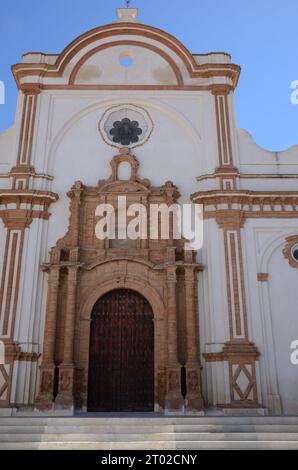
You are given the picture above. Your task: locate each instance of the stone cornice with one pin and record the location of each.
(19, 207)
(230, 171)
(246, 200)
(27, 196)
(242, 196)
(249, 204)
(24, 171)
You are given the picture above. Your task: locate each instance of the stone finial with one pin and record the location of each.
(127, 15)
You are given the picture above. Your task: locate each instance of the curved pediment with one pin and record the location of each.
(94, 59)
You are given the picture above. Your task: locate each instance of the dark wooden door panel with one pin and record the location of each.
(121, 364)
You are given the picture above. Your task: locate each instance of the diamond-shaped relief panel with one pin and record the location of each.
(242, 381)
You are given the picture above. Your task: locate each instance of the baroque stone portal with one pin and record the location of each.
(83, 269)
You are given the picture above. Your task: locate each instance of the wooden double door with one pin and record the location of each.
(121, 361)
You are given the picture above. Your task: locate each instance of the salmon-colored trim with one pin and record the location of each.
(10, 278)
(220, 173)
(234, 273)
(195, 70)
(126, 87)
(34, 196)
(225, 235)
(32, 127)
(4, 267)
(226, 160)
(16, 220)
(229, 143)
(25, 172)
(223, 126)
(239, 352)
(258, 214)
(242, 284)
(221, 356)
(17, 284)
(22, 128)
(237, 194)
(27, 128)
(150, 47)
(218, 130)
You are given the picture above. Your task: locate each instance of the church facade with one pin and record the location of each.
(144, 324)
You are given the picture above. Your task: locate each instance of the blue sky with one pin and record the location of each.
(261, 35)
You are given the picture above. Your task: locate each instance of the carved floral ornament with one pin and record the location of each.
(126, 125)
(290, 251)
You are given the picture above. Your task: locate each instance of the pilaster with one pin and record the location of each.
(47, 368)
(174, 400)
(67, 367)
(194, 400)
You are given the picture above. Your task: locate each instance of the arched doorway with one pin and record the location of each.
(121, 358)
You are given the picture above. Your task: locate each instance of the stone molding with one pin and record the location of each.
(287, 251)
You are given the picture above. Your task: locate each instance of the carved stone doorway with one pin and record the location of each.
(84, 268)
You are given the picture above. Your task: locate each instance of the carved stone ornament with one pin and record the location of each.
(290, 251)
(125, 125)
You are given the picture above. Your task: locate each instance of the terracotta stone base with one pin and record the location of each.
(44, 400)
(174, 401)
(65, 397)
(193, 401)
(194, 404)
(44, 404)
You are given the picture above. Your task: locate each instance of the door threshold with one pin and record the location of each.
(119, 414)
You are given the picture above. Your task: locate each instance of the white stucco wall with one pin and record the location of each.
(67, 145)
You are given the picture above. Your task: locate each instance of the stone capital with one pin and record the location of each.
(230, 219)
(30, 88)
(221, 89)
(16, 219)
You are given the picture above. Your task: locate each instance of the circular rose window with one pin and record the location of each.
(126, 126)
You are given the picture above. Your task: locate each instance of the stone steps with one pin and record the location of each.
(177, 429)
(124, 437)
(121, 433)
(149, 445)
(146, 420)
